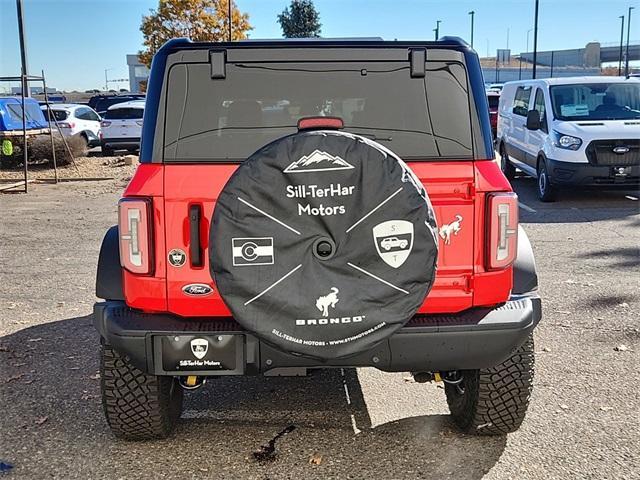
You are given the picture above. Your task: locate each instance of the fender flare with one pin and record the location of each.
(525, 277)
(109, 275)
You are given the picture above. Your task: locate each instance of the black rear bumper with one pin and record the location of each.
(477, 338)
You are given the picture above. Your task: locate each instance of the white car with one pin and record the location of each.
(74, 119)
(571, 131)
(121, 127)
(391, 242)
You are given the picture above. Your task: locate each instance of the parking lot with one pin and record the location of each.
(583, 421)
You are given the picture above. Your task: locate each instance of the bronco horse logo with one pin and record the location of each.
(324, 302)
(452, 228)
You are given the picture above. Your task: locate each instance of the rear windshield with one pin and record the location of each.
(59, 115)
(494, 100)
(124, 114)
(229, 119)
(596, 101)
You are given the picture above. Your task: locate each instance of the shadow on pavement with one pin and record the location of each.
(574, 204)
(52, 424)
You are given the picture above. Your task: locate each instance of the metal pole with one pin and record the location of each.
(230, 20)
(472, 13)
(497, 73)
(25, 155)
(438, 22)
(621, 17)
(626, 64)
(26, 91)
(535, 41)
(520, 69)
(551, 73)
(49, 114)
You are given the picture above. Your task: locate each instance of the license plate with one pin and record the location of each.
(199, 353)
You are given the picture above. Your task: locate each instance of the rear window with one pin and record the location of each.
(59, 115)
(229, 119)
(124, 114)
(494, 100)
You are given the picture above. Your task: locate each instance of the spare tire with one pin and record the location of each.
(323, 243)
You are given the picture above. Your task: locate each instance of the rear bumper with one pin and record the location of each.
(589, 175)
(477, 338)
(123, 143)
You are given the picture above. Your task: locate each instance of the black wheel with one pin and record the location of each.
(138, 406)
(507, 167)
(107, 151)
(546, 192)
(494, 401)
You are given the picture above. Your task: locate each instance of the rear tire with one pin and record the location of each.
(505, 165)
(138, 406)
(494, 400)
(546, 191)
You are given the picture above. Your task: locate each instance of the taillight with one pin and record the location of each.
(67, 124)
(134, 215)
(104, 123)
(502, 219)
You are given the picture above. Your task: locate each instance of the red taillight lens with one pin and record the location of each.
(104, 123)
(308, 123)
(502, 218)
(67, 124)
(134, 216)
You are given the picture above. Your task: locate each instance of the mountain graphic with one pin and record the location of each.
(318, 161)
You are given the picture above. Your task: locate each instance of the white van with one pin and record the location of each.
(121, 127)
(571, 131)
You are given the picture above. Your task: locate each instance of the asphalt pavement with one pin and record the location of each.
(583, 421)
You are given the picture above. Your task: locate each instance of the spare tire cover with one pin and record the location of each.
(323, 243)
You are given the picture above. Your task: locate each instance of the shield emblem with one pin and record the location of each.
(199, 347)
(394, 241)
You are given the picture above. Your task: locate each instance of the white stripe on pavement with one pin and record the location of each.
(526, 207)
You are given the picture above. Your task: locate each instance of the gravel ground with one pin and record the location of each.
(94, 165)
(583, 421)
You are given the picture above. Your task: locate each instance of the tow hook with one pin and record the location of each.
(192, 382)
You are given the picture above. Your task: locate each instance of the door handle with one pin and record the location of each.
(195, 249)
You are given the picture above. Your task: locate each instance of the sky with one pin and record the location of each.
(74, 41)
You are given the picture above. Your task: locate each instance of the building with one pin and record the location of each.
(137, 73)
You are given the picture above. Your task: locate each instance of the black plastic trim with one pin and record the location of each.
(525, 277)
(109, 274)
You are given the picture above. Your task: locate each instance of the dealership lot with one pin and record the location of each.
(583, 420)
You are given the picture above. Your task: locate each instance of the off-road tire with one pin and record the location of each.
(138, 406)
(505, 165)
(494, 400)
(546, 191)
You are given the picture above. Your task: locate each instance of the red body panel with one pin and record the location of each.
(457, 191)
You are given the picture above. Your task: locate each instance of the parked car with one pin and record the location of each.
(101, 103)
(582, 131)
(493, 97)
(121, 127)
(76, 119)
(249, 236)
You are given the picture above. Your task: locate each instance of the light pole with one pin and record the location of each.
(437, 29)
(535, 40)
(106, 79)
(230, 21)
(621, 17)
(472, 13)
(24, 84)
(626, 63)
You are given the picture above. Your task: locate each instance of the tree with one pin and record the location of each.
(300, 20)
(199, 20)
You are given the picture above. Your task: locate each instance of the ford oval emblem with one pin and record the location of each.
(621, 150)
(197, 289)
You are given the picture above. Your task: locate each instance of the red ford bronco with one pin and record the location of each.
(316, 204)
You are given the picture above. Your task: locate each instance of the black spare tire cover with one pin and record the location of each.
(323, 243)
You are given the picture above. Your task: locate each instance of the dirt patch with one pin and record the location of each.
(119, 167)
